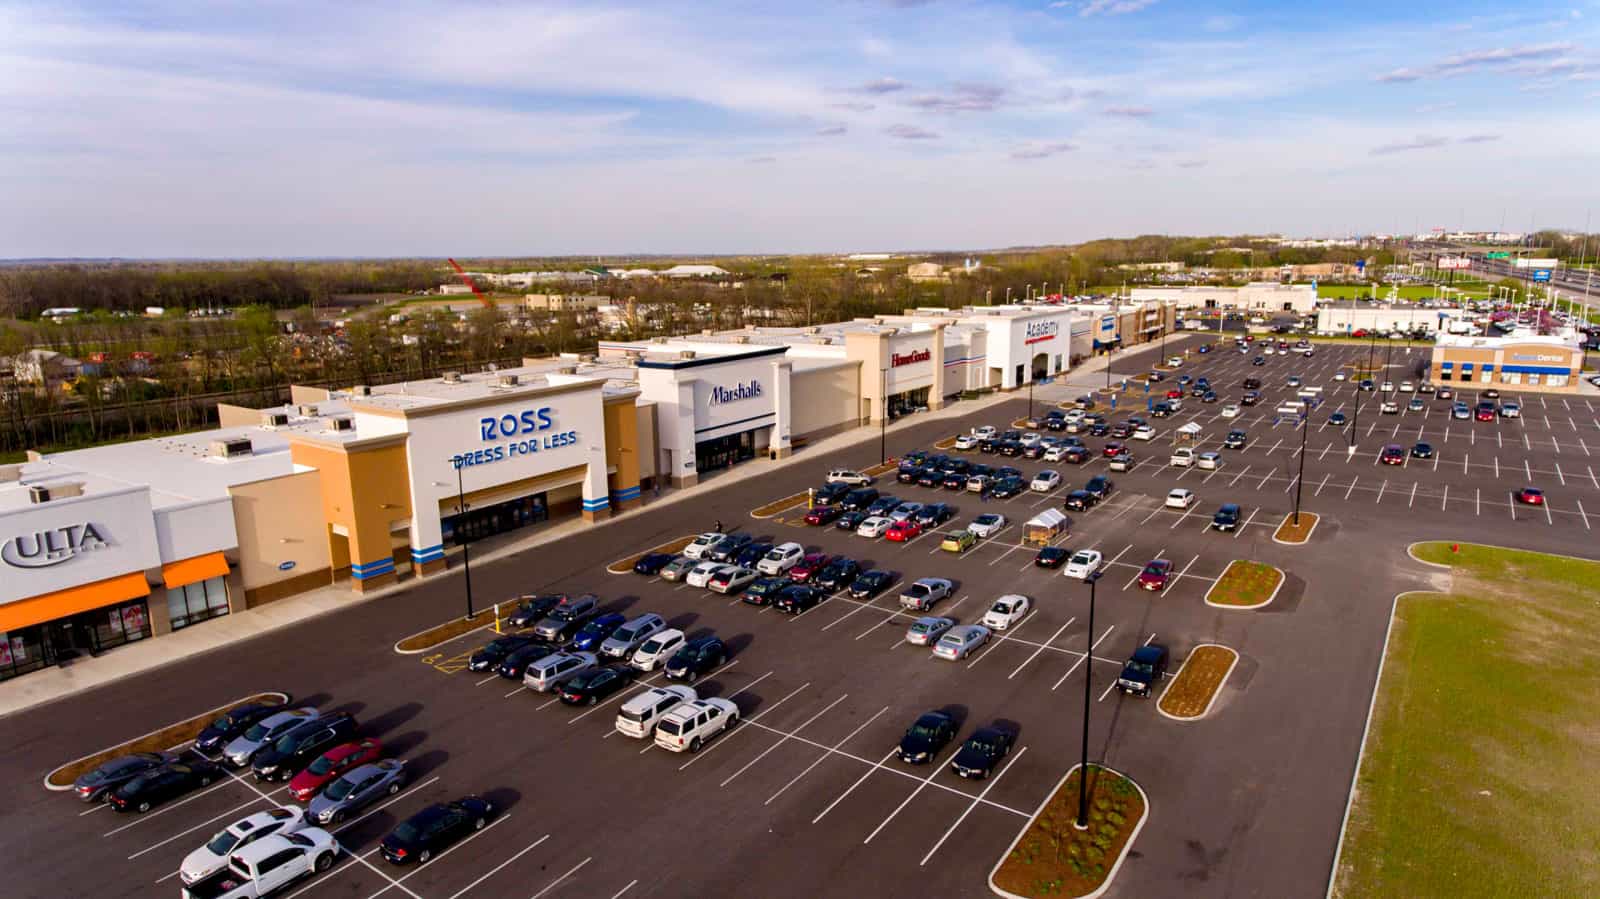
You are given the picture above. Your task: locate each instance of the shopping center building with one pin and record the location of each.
(1551, 363)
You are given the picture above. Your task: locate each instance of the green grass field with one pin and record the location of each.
(1364, 292)
(1478, 775)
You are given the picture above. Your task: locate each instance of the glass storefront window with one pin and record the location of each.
(21, 651)
(1555, 381)
(197, 602)
(1511, 377)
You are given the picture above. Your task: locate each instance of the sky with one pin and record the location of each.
(289, 129)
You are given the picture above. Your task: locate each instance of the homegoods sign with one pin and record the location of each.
(898, 359)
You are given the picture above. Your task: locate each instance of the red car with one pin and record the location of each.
(1484, 414)
(330, 765)
(809, 566)
(1155, 574)
(1112, 448)
(1174, 394)
(1393, 455)
(901, 531)
(1530, 496)
(823, 514)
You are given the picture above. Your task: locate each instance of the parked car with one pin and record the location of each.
(435, 829)
(1530, 496)
(922, 594)
(650, 564)
(873, 527)
(631, 635)
(838, 574)
(958, 541)
(357, 789)
(96, 785)
(1510, 410)
(988, 524)
(1155, 575)
(847, 476)
(1393, 454)
(1122, 461)
(597, 631)
(830, 494)
(699, 656)
(242, 750)
(1045, 481)
(700, 574)
(982, 752)
(268, 865)
(572, 613)
(658, 648)
(1143, 671)
(699, 546)
(1084, 563)
(821, 515)
(1422, 451)
(1006, 611)
(903, 531)
(531, 610)
(783, 557)
(637, 718)
(797, 598)
(1078, 501)
(859, 499)
(927, 737)
(1180, 498)
(332, 764)
(519, 659)
(1051, 557)
(554, 670)
(871, 583)
(959, 642)
(849, 521)
(1226, 517)
(678, 568)
(1209, 460)
(230, 724)
(595, 684)
(751, 554)
(728, 548)
(933, 515)
(928, 629)
(213, 856)
(158, 785)
(691, 724)
(731, 579)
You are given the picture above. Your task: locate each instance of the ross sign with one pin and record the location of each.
(509, 427)
(1039, 332)
(898, 359)
(744, 390)
(1542, 274)
(43, 549)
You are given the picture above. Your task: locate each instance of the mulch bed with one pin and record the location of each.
(882, 468)
(623, 566)
(1202, 675)
(945, 444)
(1289, 532)
(770, 509)
(166, 738)
(1055, 858)
(1245, 584)
(453, 628)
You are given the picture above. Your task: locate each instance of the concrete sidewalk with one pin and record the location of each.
(86, 673)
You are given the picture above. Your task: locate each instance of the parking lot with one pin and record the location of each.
(802, 796)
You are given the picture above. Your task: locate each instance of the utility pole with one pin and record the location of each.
(1088, 671)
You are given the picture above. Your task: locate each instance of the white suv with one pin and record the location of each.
(1182, 457)
(781, 558)
(688, 726)
(846, 476)
(638, 716)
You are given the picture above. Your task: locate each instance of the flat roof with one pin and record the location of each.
(1567, 340)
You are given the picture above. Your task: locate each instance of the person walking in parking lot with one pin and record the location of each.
(719, 525)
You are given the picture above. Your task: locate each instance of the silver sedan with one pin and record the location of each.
(355, 789)
(958, 642)
(927, 630)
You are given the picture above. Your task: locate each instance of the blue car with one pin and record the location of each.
(597, 631)
(1337, 418)
(652, 563)
(750, 555)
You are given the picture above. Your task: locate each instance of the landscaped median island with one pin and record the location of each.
(1477, 773)
(455, 627)
(945, 444)
(1291, 533)
(766, 511)
(169, 737)
(882, 468)
(625, 566)
(1052, 857)
(1245, 585)
(1191, 693)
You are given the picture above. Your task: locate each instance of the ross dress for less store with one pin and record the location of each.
(362, 487)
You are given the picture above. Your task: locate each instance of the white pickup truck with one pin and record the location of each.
(268, 865)
(1182, 457)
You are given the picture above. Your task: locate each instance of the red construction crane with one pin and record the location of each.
(462, 274)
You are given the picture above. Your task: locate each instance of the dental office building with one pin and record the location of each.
(1551, 363)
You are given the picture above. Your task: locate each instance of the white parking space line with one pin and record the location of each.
(1560, 475)
(631, 885)
(1264, 479)
(1323, 484)
(847, 737)
(1548, 517)
(1381, 488)
(147, 816)
(1592, 479)
(349, 862)
(981, 795)
(1238, 476)
(1352, 488)
(1413, 501)
(557, 882)
(859, 781)
(1497, 467)
(937, 768)
(497, 868)
(1041, 648)
(1584, 445)
(514, 692)
(1527, 470)
(1585, 516)
(734, 728)
(764, 753)
(486, 680)
(1081, 657)
(1478, 501)
(1555, 443)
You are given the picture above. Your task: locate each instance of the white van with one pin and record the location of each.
(638, 716)
(846, 476)
(657, 649)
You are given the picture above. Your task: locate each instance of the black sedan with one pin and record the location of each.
(982, 752)
(1051, 557)
(1079, 501)
(495, 651)
(849, 521)
(533, 609)
(1005, 488)
(99, 783)
(797, 598)
(1422, 451)
(228, 725)
(435, 829)
(762, 590)
(652, 563)
(929, 477)
(907, 474)
(170, 781)
(838, 574)
(519, 659)
(871, 584)
(934, 514)
(1100, 487)
(596, 684)
(930, 733)
(697, 657)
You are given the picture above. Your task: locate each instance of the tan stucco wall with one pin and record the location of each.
(822, 399)
(299, 394)
(237, 416)
(645, 427)
(274, 527)
(362, 490)
(622, 445)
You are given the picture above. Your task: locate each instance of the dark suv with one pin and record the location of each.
(859, 499)
(1144, 670)
(301, 746)
(696, 658)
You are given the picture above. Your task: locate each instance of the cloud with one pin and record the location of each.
(880, 86)
(961, 98)
(1113, 7)
(761, 160)
(1220, 24)
(1472, 61)
(1129, 112)
(1421, 142)
(1430, 108)
(1042, 150)
(853, 107)
(910, 132)
(832, 131)
(1192, 164)
(1479, 139)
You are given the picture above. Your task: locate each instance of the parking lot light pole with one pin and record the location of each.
(1305, 425)
(1088, 672)
(883, 419)
(461, 537)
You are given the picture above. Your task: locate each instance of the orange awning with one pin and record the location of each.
(193, 571)
(50, 606)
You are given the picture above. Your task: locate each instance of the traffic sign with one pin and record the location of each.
(1497, 255)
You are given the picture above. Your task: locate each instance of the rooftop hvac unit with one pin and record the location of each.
(742, 338)
(567, 370)
(308, 411)
(341, 424)
(508, 380)
(65, 490)
(589, 357)
(813, 330)
(361, 390)
(232, 447)
(708, 331)
(451, 377)
(686, 354)
(274, 419)
(38, 493)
